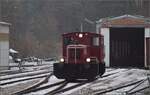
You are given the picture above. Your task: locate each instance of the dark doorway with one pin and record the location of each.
(148, 51)
(127, 47)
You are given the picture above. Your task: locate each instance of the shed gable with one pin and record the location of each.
(125, 21)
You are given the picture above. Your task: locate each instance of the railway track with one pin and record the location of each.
(146, 87)
(49, 87)
(110, 74)
(99, 91)
(34, 67)
(67, 88)
(62, 90)
(62, 86)
(130, 86)
(109, 84)
(9, 72)
(46, 86)
(24, 74)
(25, 90)
(22, 79)
(22, 69)
(54, 88)
(57, 89)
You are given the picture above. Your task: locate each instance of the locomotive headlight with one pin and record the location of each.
(80, 35)
(62, 60)
(88, 60)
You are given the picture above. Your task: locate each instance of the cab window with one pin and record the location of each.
(67, 41)
(95, 41)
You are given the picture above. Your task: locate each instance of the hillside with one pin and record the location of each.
(37, 25)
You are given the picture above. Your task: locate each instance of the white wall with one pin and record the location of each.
(4, 29)
(105, 32)
(147, 32)
(4, 46)
(4, 54)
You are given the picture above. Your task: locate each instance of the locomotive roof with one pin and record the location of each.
(73, 33)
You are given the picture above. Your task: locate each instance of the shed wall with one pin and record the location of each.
(105, 32)
(126, 21)
(4, 46)
(4, 29)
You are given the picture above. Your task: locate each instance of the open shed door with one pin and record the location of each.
(127, 47)
(148, 51)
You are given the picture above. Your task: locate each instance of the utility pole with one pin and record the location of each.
(0, 10)
(88, 21)
(91, 22)
(81, 27)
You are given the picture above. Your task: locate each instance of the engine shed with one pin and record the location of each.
(4, 45)
(126, 40)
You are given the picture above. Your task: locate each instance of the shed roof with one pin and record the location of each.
(4, 23)
(12, 51)
(125, 21)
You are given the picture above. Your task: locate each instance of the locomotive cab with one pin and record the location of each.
(82, 56)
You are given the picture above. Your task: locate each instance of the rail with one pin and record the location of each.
(26, 90)
(97, 92)
(129, 92)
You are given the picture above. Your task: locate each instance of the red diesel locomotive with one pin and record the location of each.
(83, 56)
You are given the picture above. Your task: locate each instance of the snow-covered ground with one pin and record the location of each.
(121, 78)
(8, 90)
(36, 70)
(52, 80)
(28, 66)
(111, 79)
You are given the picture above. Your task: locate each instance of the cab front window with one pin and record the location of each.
(69, 41)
